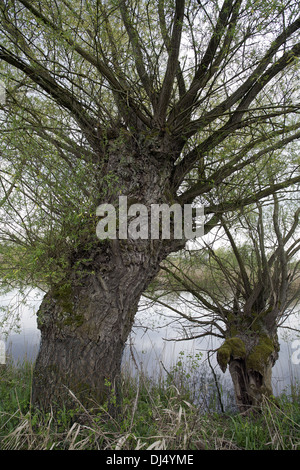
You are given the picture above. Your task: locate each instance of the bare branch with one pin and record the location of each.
(137, 51)
(234, 165)
(63, 97)
(250, 88)
(167, 42)
(208, 65)
(172, 65)
(105, 71)
(239, 259)
(233, 205)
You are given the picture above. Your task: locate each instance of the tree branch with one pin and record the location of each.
(167, 43)
(242, 202)
(195, 291)
(61, 95)
(236, 165)
(137, 51)
(104, 70)
(208, 66)
(257, 80)
(172, 65)
(198, 152)
(238, 257)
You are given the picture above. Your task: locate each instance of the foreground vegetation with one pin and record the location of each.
(155, 416)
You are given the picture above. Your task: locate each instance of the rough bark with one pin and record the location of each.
(250, 356)
(84, 327)
(85, 320)
(250, 385)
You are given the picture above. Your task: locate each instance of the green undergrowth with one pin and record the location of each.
(154, 416)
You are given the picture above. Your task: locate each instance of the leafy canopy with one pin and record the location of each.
(218, 78)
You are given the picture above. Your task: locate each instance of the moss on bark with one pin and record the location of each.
(69, 317)
(260, 355)
(231, 348)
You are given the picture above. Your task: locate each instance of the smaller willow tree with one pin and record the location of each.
(242, 293)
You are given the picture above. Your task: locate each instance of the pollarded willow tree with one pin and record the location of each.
(149, 100)
(243, 286)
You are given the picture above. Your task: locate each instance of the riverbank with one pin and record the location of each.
(155, 416)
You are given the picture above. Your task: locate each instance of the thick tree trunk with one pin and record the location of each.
(85, 321)
(84, 327)
(250, 357)
(250, 386)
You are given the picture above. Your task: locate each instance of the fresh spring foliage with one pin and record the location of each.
(83, 79)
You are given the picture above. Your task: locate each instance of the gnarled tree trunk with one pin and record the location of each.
(84, 328)
(250, 358)
(85, 321)
(250, 385)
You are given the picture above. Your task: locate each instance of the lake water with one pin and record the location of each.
(149, 347)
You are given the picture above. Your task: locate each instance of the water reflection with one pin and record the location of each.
(149, 347)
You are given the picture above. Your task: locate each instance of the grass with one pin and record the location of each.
(157, 415)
